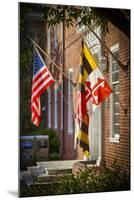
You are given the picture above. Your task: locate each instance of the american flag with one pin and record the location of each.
(42, 79)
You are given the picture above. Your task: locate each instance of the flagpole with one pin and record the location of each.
(73, 84)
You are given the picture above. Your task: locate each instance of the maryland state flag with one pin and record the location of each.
(93, 88)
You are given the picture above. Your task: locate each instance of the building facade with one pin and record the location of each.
(109, 129)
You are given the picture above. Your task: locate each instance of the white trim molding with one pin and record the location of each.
(70, 103)
(114, 98)
(55, 108)
(49, 107)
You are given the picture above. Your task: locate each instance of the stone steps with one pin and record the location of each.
(63, 164)
(58, 171)
(50, 178)
(27, 178)
(51, 171)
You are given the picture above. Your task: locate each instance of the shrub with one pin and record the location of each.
(95, 180)
(54, 156)
(53, 138)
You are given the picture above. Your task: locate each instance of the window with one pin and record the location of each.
(114, 101)
(91, 39)
(55, 38)
(55, 109)
(48, 41)
(70, 103)
(49, 107)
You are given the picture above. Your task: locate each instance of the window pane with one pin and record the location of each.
(116, 98)
(115, 66)
(116, 118)
(116, 54)
(116, 129)
(115, 95)
(116, 87)
(95, 57)
(115, 76)
(116, 108)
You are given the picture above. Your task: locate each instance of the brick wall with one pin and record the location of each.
(119, 153)
(72, 57)
(112, 152)
(71, 60)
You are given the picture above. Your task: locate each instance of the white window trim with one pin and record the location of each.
(92, 41)
(49, 107)
(55, 109)
(70, 119)
(116, 137)
(95, 48)
(48, 41)
(49, 90)
(61, 106)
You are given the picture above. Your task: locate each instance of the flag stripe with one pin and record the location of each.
(41, 88)
(36, 108)
(81, 88)
(40, 82)
(84, 128)
(42, 79)
(35, 111)
(83, 76)
(89, 57)
(83, 145)
(87, 65)
(83, 137)
(36, 121)
(37, 102)
(91, 86)
(82, 134)
(42, 71)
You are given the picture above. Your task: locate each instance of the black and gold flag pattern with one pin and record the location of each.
(93, 86)
(82, 137)
(87, 65)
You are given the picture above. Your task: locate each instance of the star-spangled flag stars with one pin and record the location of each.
(42, 79)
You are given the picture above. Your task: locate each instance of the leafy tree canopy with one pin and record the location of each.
(54, 14)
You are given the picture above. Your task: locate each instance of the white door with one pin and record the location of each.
(95, 134)
(95, 122)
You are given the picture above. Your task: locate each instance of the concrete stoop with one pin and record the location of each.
(49, 172)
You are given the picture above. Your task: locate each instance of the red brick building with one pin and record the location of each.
(109, 130)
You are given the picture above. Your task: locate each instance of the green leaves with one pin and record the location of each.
(72, 15)
(95, 180)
